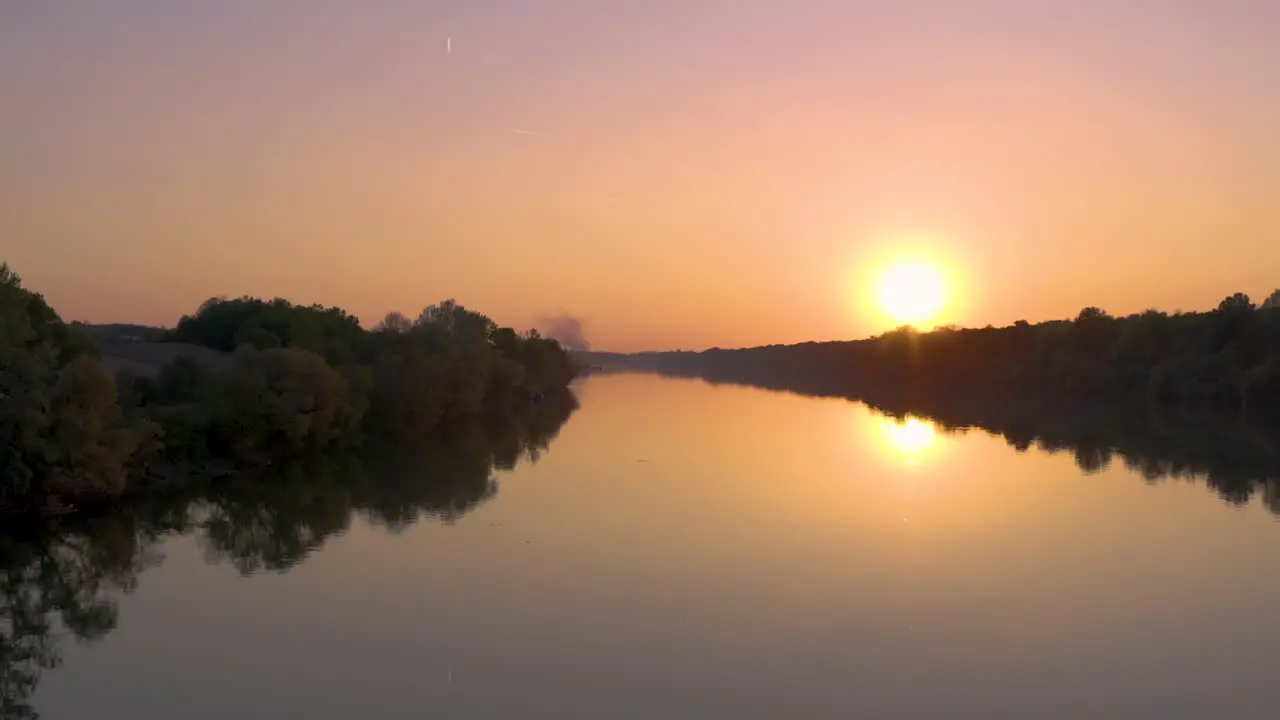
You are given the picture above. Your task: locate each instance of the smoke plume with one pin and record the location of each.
(566, 329)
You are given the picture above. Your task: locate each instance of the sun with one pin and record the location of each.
(911, 293)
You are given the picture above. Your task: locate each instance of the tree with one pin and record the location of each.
(304, 380)
(89, 445)
(283, 402)
(15, 304)
(395, 322)
(1272, 302)
(62, 429)
(1236, 304)
(1092, 314)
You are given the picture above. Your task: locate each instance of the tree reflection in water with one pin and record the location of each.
(64, 577)
(71, 575)
(1235, 458)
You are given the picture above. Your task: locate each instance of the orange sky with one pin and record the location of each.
(692, 174)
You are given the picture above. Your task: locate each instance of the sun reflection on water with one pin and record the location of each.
(911, 439)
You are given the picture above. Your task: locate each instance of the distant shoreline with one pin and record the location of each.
(1226, 360)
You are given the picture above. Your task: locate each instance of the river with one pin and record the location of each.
(683, 550)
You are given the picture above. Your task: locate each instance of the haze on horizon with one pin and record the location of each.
(679, 174)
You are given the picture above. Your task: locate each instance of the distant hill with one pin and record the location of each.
(142, 350)
(628, 362)
(144, 359)
(121, 332)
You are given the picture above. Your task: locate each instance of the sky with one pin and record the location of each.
(676, 173)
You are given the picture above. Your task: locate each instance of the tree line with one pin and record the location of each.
(1227, 359)
(298, 382)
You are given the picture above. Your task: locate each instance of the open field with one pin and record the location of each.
(145, 359)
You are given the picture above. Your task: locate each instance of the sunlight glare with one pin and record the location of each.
(910, 439)
(911, 293)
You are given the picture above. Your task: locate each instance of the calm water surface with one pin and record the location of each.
(689, 551)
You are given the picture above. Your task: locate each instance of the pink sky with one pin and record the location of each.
(693, 173)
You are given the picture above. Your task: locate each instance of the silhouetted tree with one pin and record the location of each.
(1220, 359)
(396, 323)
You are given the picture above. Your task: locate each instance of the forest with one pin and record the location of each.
(297, 382)
(1226, 359)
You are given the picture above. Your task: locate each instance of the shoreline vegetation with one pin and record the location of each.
(256, 452)
(1226, 360)
(1189, 396)
(247, 386)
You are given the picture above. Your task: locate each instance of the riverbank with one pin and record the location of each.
(244, 384)
(1225, 360)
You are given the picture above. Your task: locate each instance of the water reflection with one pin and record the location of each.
(909, 438)
(1236, 459)
(272, 523)
(71, 574)
(64, 578)
(762, 561)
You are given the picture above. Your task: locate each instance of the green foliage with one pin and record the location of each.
(281, 403)
(17, 314)
(88, 445)
(399, 383)
(304, 381)
(226, 324)
(63, 433)
(305, 384)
